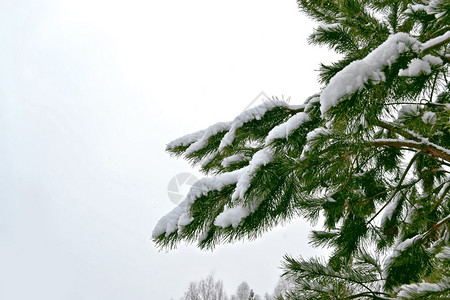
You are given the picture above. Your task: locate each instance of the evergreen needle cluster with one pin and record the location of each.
(370, 153)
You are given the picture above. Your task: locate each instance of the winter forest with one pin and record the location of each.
(367, 158)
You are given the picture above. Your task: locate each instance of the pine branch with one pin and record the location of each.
(276, 161)
(425, 290)
(445, 28)
(446, 188)
(429, 147)
(371, 294)
(314, 269)
(397, 188)
(436, 42)
(435, 227)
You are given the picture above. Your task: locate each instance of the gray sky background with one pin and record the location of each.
(90, 93)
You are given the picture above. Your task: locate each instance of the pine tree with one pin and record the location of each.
(370, 152)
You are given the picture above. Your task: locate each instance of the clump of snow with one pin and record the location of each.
(312, 135)
(185, 219)
(420, 66)
(439, 14)
(330, 199)
(359, 192)
(443, 190)
(255, 113)
(436, 40)
(179, 216)
(416, 67)
(232, 216)
(400, 248)
(414, 8)
(433, 60)
(415, 290)
(354, 76)
(433, 8)
(310, 101)
(296, 106)
(388, 211)
(227, 161)
(260, 158)
(429, 117)
(444, 254)
(186, 140)
(209, 132)
(408, 110)
(285, 129)
(208, 158)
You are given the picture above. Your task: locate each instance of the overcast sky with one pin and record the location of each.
(91, 91)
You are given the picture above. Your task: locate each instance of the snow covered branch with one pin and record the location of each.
(422, 146)
(341, 155)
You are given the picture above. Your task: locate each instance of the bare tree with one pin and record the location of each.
(192, 293)
(253, 296)
(283, 286)
(207, 289)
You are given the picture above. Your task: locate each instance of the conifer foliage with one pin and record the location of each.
(370, 153)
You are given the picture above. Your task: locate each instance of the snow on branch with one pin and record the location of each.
(423, 289)
(429, 117)
(313, 136)
(209, 132)
(440, 40)
(432, 8)
(424, 145)
(227, 161)
(186, 140)
(180, 216)
(354, 76)
(400, 248)
(198, 140)
(255, 113)
(444, 254)
(285, 129)
(414, 140)
(389, 211)
(233, 216)
(422, 65)
(260, 158)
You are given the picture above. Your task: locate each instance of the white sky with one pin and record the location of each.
(90, 93)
